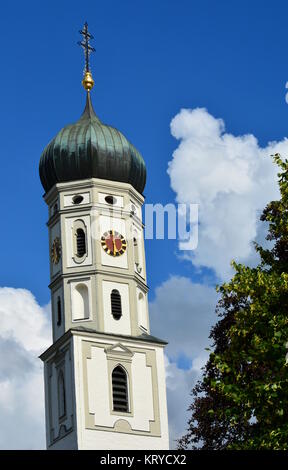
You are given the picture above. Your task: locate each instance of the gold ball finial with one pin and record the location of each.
(88, 81)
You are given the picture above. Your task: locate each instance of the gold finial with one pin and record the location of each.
(87, 81)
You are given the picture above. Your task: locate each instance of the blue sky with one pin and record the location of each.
(152, 59)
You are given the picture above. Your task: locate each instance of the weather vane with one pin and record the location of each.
(87, 81)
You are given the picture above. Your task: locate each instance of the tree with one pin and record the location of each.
(241, 402)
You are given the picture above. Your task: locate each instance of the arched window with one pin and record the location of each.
(142, 311)
(59, 312)
(136, 254)
(116, 307)
(61, 395)
(80, 302)
(80, 242)
(120, 390)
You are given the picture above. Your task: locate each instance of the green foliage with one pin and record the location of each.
(242, 400)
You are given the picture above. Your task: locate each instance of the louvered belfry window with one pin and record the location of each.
(120, 390)
(116, 307)
(81, 242)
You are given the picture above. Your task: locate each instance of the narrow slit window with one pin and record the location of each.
(136, 253)
(61, 395)
(59, 312)
(116, 306)
(80, 242)
(120, 390)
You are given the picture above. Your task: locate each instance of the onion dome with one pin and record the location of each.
(91, 149)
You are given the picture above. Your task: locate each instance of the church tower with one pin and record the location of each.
(104, 373)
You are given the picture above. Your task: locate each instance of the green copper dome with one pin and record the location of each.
(90, 149)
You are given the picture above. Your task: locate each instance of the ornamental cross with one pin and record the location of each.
(86, 46)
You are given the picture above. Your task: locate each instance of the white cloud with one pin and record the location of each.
(25, 332)
(23, 319)
(182, 313)
(231, 178)
(232, 181)
(179, 384)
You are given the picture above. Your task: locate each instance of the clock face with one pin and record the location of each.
(56, 251)
(113, 243)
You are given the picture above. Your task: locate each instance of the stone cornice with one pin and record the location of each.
(97, 207)
(135, 277)
(92, 183)
(57, 345)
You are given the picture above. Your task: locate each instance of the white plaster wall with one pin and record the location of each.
(99, 392)
(68, 442)
(107, 223)
(123, 325)
(69, 221)
(96, 439)
(93, 440)
(52, 421)
(162, 397)
(79, 390)
(68, 199)
(142, 393)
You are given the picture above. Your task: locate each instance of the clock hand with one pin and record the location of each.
(114, 244)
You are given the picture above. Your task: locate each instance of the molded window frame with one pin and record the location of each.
(80, 242)
(74, 285)
(119, 355)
